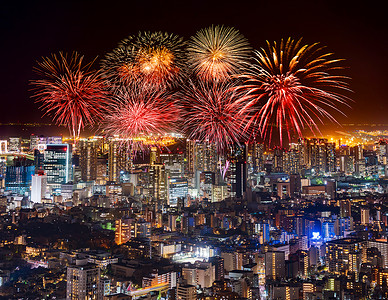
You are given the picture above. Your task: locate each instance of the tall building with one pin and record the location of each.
(88, 159)
(84, 282)
(18, 178)
(341, 255)
(177, 188)
(237, 173)
(345, 208)
(364, 216)
(38, 187)
(158, 186)
(57, 165)
(119, 160)
(125, 230)
(275, 267)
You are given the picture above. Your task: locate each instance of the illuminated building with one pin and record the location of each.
(382, 246)
(178, 188)
(57, 165)
(83, 282)
(18, 177)
(364, 216)
(237, 173)
(125, 230)
(158, 186)
(186, 292)
(275, 265)
(88, 159)
(38, 187)
(342, 254)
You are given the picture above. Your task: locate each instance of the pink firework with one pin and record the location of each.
(292, 86)
(72, 94)
(139, 112)
(209, 114)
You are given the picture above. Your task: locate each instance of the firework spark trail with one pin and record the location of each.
(153, 58)
(140, 111)
(292, 85)
(72, 94)
(209, 114)
(217, 52)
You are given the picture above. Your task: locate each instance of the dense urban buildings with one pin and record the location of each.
(92, 220)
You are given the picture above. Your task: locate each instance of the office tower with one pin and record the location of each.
(277, 160)
(157, 184)
(57, 165)
(330, 163)
(206, 157)
(119, 160)
(177, 188)
(18, 177)
(38, 187)
(154, 155)
(88, 159)
(186, 292)
(237, 173)
(125, 230)
(341, 254)
(275, 265)
(83, 282)
(364, 216)
(14, 144)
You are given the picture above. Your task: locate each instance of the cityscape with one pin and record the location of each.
(193, 150)
(85, 220)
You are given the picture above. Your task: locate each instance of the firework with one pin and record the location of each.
(155, 58)
(140, 112)
(292, 86)
(217, 52)
(69, 92)
(209, 114)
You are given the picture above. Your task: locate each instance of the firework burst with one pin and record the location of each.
(217, 52)
(292, 86)
(209, 114)
(69, 92)
(140, 112)
(156, 59)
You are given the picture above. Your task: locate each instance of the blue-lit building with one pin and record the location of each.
(57, 166)
(178, 188)
(18, 179)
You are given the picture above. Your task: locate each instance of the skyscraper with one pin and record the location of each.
(88, 159)
(38, 187)
(57, 165)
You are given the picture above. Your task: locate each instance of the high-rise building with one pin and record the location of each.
(345, 208)
(177, 188)
(57, 165)
(38, 187)
(275, 265)
(341, 254)
(158, 184)
(18, 178)
(125, 230)
(237, 173)
(364, 216)
(88, 159)
(84, 282)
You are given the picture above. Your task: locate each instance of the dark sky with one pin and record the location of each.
(353, 30)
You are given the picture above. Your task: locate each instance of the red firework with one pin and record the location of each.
(72, 94)
(209, 114)
(291, 86)
(140, 112)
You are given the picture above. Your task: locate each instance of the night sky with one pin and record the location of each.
(355, 31)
